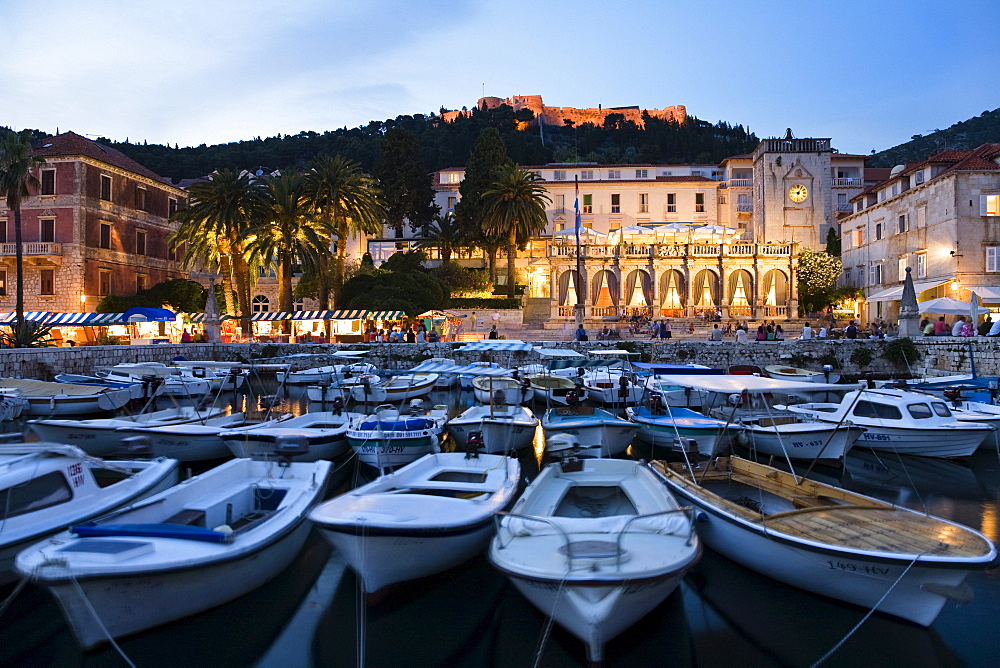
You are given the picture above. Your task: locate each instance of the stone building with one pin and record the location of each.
(97, 225)
(559, 116)
(941, 218)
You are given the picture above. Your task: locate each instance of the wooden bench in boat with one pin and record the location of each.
(188, 516)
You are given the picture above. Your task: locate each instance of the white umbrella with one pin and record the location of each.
(974, 310)
(570, 299)
(949, 306)
(673, 230)
(632, 232)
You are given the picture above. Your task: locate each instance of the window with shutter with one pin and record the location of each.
(991, 258)
(989, 205)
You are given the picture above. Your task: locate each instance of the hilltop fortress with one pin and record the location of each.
(559, 115)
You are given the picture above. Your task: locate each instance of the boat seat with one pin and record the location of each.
(188, 516)
(811, 502)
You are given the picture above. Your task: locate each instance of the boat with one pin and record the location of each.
(553, 389)
(595, 544)
(496, 428)
(101, 437)
(603, 433)
(224, 376)
(343, 389)
(329, 373)
(506, 389)
(167, 380)
(11, 404)
(681, 429)
(444, 381)
(470, 377)
(828, 540)
(197, 545)
(386, 438)
(83, 379)
(899, 421)
(395, 389)
(787, 436)
(661, 380)
(311, 436)
(194, 441)
(45, 398)
(428, 516)
(46, 487)
(782, 372)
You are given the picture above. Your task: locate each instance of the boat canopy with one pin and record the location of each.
(613, 353)
(499, 345)
(467, 369)
(557, 352)
(55, 319)
(754, 384)
(660, 368)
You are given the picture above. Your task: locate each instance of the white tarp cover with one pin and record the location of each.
(753, 384)
(948, 306)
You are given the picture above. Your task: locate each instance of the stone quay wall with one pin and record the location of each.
(857, 358)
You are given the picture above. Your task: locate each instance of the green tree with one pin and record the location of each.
(817, 274)
(832, 243)
(291, 235)
(350, 202)
(213, 229)
(488, 157)
(405, 184)
(443, 233)
(17, 162)
(514, 208)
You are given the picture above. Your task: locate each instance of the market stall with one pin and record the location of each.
(151, 325)
(446, 323)
(73, 329)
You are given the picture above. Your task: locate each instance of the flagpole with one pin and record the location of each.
(578, 308)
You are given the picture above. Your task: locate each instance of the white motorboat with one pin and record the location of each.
(342, 389)
(100, 437)
(83, 379)
(46, 487)
(828, 540)
(226, 376)
(786, 436)
(395, 389)
(496, 428)
(330, 373)
(11, 403)
(44, 398)
(661, 382)
(908, 423)
(447, 372)
(193, 441)
(506, 389)
(613, 384)
(201, 543)
(306, 438)
(552, 389)
(596, 544)
(445, 381)
(784, 372)
(386, 439)
(600, 432)
(162, 379)
(426, 517)
(681, 429)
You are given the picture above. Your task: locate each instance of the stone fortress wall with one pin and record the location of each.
(559, 115)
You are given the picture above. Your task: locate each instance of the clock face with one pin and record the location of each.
(798, 193)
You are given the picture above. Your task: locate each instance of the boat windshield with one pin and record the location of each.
(872, 409)
(919, 411)
(941, 409)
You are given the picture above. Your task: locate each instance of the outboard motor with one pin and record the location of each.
(338, 405)
(499, 398)
(416, 406)
(474, 445)
(572, 398)
(655, 404)
(287, 447)
(954, 395)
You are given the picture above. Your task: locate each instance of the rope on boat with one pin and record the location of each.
(864, 619)
(97, 618)
(13, 594)
(551, 620)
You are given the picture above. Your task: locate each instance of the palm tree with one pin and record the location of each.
(514, 208)
(17, 161)
(350, 202)
(292, 234)
(214, 226)
(443, 233)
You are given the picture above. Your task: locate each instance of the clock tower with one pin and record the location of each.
(793, 201)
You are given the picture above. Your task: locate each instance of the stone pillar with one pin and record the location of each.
(909, 316)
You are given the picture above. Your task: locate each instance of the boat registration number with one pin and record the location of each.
(868, 436)
(382, 450)
(854, 568)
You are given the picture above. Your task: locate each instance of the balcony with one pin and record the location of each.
(744, 208)
(845, 208)
(32, 248)
(849, 182)
(740, 183)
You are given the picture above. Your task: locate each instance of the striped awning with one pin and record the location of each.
(356, 314)
(384, 315)
(346, 314)
(271, 315)
(200, 317)
(68, 319)
(495, 344)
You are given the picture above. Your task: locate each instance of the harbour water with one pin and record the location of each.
(721, 615)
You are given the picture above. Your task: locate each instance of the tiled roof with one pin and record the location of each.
(742, 156)
(70, 144)
(877, 173)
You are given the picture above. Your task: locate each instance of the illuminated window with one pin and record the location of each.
(989, 205)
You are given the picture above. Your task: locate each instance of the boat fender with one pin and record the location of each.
(702, 518)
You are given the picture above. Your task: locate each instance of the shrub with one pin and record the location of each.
(901, 352)
(862, 355)
(489, 303)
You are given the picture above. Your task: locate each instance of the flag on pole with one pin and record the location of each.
(576, 207)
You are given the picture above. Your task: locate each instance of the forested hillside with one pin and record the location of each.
(963, 135)
(444, 145)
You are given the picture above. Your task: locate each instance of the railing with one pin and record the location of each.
(672, 312)
(744, 208)
(774, 250)
(567, 249)
(740, 183)
(604, 311)
(741, 249)
(774, 311)
(740, 311)
(854, 181)
(567, 311)
(32, 248)
(706, 249)
(845, 208)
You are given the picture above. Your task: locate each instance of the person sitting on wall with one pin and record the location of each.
(994, 329)
(985, 327)
(581, 334)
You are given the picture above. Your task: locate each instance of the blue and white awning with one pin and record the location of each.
(467, 369)
(67, 319)
(500, 345)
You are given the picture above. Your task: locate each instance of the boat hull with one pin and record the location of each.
(132, 603)
(947, 443)
(605, 437)
(709, 441)
(390, 450)
(801, 440)
(262, 446)
(499, 435)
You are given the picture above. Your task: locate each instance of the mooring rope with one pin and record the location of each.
(551, 620)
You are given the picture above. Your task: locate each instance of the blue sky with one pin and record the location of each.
(868, 74)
